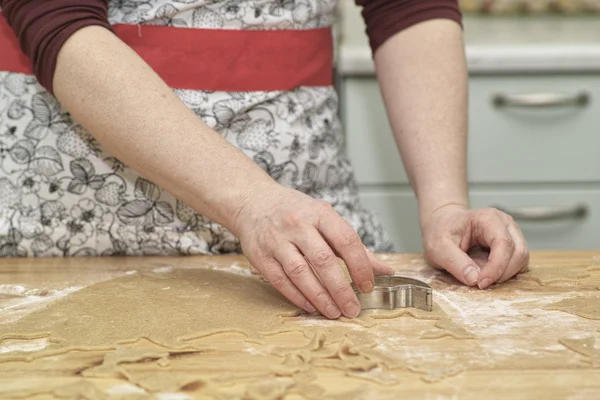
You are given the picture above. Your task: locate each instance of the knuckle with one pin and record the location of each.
(505, 241)
(265, 236)
(322, 207)
(323, 259)
(278, 281)
(349, 239)
(524, 254)
(429, 246)
(297, 269)
(323, 204)
(489, 214)
(342, 291)
(292, 219)
(321, 297)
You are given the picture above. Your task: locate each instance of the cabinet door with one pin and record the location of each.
(521, 129)
(566, 219)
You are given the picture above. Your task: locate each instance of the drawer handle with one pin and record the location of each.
(541, 100)
(546, 213)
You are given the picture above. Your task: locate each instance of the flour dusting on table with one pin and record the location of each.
(24, 300)
(233, 269)
(14, 346)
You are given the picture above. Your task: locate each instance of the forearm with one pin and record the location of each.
(423, 79)
(114, 94)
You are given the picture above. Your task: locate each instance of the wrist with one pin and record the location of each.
(242, 208)
(432, 202)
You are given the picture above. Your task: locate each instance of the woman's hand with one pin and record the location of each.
(452, 231)
(295, 241)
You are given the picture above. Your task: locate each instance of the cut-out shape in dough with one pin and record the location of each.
(583, 306)
(585, 347)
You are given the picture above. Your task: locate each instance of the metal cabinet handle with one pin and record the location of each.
(541, 100)
(546, 213)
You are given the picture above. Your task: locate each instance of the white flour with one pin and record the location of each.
(24, 346)
(233, 269)
(163, 270)
(26, 300)
(125, 388)
(172, 396)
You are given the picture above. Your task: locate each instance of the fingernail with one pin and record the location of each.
(351, 309)
(332, 311)
(484, 283)
(471, 274)
(309, 307)
(366, 287)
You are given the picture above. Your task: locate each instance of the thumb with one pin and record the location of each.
(447, 255)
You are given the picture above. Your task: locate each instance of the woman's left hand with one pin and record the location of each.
(452, 232)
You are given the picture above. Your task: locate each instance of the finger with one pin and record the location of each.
(494, 235)
(447, 255)
(325, 264)
(345, 241)
(303, 277)
(274, 273)
(379, 267)
(520, 259)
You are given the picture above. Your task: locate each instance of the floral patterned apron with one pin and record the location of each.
(62, 194)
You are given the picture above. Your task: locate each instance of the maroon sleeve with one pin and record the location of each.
(43, 26)
(384, 18)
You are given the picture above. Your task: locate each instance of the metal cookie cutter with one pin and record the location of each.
(392, 291)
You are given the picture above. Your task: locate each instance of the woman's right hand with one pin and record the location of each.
(295, 241)
(146, 126)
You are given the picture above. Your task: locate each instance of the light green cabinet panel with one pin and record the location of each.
(534, 128)
(369, 142)
(554, 219)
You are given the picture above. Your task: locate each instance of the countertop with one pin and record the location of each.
(502, 44)
(535, 336)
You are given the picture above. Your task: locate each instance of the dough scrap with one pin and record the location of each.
(448, 328)
(436, 374)
(81, 390)
(66, 388)
(377, 374)
(585, 347)
(272, 389)
(545, 276)
(109, 367)
(165, 381)
(585, 307)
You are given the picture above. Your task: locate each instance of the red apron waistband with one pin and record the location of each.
(215, 59)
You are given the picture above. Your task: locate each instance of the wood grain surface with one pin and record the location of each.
(509, 341)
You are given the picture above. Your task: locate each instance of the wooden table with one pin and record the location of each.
(504, 342)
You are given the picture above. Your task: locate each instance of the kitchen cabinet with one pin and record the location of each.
(534, 129)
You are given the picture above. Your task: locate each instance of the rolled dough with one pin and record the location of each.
(168, 309)
(149, 327)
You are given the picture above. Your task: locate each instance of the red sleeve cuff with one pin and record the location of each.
(385, 18)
